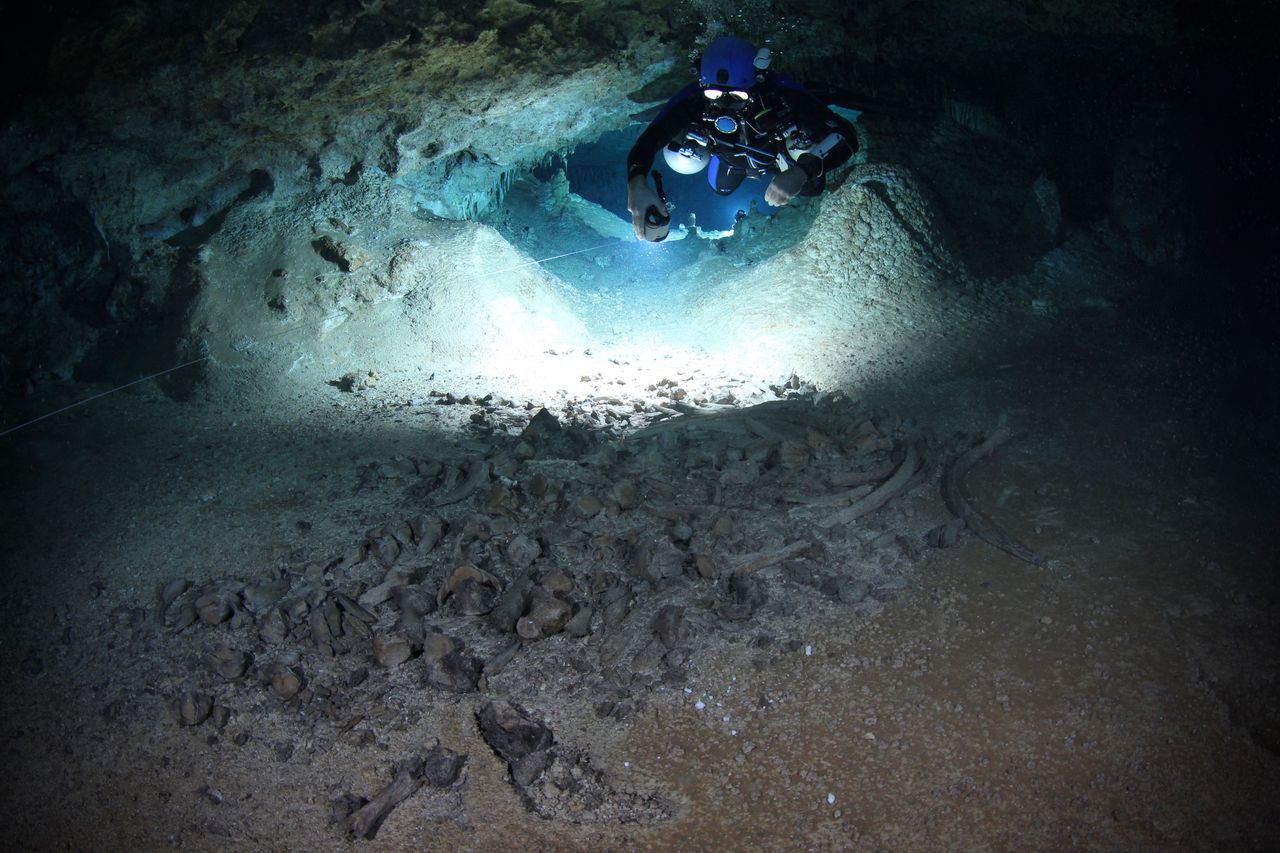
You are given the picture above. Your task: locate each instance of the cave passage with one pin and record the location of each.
(568, 214)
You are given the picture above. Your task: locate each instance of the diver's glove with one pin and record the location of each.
(643, 201)
(785, 186)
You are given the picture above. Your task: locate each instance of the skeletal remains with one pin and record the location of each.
(561, 532)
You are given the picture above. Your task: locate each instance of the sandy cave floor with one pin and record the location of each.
(1122, 697)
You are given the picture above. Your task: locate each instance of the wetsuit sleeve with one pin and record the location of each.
(681, 111)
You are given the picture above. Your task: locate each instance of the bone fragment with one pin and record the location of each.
(758, 560)
(881, 495)
(365, 822)
(477, 475)
(960, 503)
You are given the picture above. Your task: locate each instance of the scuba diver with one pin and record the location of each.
(739, 120)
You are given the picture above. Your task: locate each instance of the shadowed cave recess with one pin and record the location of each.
(366, 480)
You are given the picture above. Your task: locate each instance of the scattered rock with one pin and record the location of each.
(512, 604)
(427, 531)
(499, 662)
(557, 583)
(384, 547)
(356, 381)
(510, 731)
(457, 672)
(547, 616)
(441, 767)
(260, 596)
(471, 591)
(213, 608)
(391, 650)
(355, 628)
(946, 535)
(396, 577)
(193, 708)
(220, 716)
(526, 770)
(437, 646)
(744, 594)
(352, 608)
(543, 427)
(580, 623)
(670, 626)
(273, 628)
(656, 557)
(522, 551)
(414, 601)
(347, 257)
(171, 591)
(281, 680)
(229, 663)
(588, 506)
(706, 566)
(185, 617)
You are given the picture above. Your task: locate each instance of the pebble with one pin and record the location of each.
(171, 591)
(589, 506)
(670, 625)
(441, 767)
(557, 583)
(510, 731)
(194, 708)
(522, 551)
(457, 672)
(706, 566)
(273, 629)
(283, 682)
(213, 608)
(391, 650)
(437, 646)
(579, 625)
(657, 557)
(229, 663)
(547, 616)
(355, 627)
(185, 617)
(258, 597)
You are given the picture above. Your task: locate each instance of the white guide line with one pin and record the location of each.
(278, 334)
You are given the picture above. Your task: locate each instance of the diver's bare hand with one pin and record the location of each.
(785, 186)
(640, 197)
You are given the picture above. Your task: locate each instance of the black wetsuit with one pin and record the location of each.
(779, 113)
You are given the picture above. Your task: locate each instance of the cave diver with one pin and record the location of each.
(739, 120)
